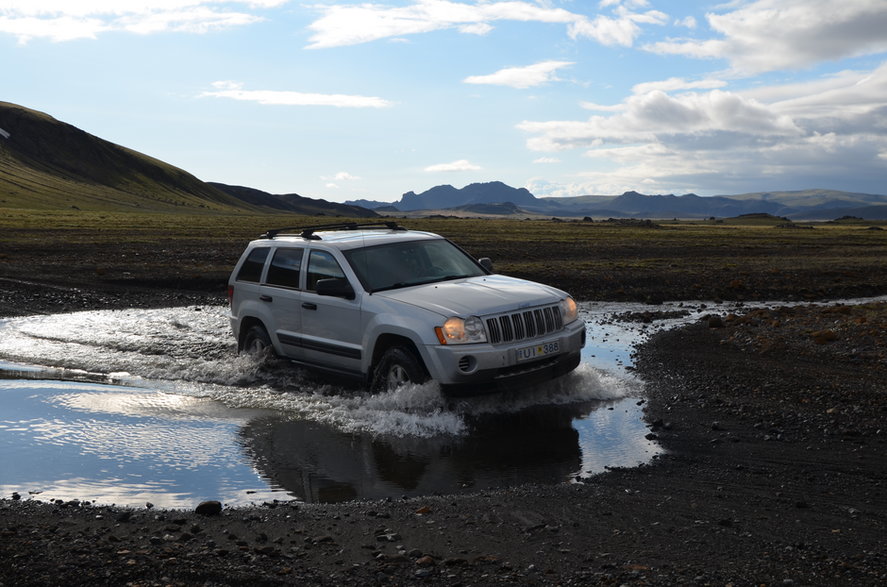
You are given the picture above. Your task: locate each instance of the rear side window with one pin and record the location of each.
(251, 270)
(286, 266)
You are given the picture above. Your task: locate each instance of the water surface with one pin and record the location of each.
(137, 406)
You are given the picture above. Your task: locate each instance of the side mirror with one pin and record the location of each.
(337, 288)
(486, 263)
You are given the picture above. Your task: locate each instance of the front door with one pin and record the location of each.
(331, 327)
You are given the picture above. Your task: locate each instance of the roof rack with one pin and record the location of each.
(308, 231)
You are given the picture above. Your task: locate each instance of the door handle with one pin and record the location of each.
(265, 298)
(309, 306)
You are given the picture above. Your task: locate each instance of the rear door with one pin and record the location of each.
(331, 327)
(283, 292)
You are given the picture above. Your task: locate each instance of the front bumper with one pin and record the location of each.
(478, 368)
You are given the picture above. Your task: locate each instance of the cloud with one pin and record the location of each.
(688, 22)
(361, 23)
(646, 116)
(234, 91)
(771, 35)
(521, 77)
(621, 30)
(547, 160)
(602, 107)
(341, 176)
(800, 135)
(676, 83)
(352, 24)
(460, 165)
(65, 21)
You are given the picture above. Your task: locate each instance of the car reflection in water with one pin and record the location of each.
(315, 463)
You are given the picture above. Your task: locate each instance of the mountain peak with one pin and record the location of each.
(447, 196)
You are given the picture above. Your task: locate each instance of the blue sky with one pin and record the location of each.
(346, 100)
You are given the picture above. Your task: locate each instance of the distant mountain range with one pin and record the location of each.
(47, 164)
(798, 205)
(293, 202)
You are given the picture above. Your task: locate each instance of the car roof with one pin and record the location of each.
(350, 239)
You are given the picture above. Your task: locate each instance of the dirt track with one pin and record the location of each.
(775, 474)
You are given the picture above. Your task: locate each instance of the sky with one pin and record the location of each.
(344, 100)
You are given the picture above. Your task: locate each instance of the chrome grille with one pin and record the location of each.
(524, 325)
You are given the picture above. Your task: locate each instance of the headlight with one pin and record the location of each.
(461, 331)
(569, 309)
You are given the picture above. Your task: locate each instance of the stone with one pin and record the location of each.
(209, 508)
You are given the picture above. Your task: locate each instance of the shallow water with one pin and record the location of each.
(137, 406)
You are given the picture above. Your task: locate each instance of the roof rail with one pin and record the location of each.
(308, 231)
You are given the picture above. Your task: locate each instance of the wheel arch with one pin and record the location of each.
(388, 340)
(246, 323)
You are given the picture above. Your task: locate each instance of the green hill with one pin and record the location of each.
(48, 164)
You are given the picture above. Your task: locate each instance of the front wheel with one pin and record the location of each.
(398, 366)
(256, 341)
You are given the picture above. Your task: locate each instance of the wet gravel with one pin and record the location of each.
(775, 475)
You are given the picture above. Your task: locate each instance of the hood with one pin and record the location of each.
(477, 296)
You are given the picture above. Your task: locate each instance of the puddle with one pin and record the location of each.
(135, 406)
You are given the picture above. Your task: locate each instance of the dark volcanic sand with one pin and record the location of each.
(775, 475)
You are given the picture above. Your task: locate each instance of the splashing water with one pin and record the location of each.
(191, 351)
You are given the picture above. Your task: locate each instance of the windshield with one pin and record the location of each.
(411, 263)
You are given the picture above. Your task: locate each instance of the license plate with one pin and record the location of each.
(538, 350)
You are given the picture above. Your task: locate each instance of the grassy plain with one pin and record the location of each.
(737, 259)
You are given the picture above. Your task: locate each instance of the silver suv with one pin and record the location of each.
(390, 306)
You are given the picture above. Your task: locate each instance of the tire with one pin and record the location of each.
(256, 341)
(397, 366)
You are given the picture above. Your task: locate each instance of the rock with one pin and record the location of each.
(209, 508)
(422, 573)
(388, 537)
(824, 336)
(715, 321)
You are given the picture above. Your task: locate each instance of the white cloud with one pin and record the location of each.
(688, 22)
(352, 24)
(769, 35)
(341, 176)
(478, 28)
(802, 134)
(521, 77)
(602, 107)
(460, 165)
(547, 160)
(645, 116)
(361, 23)
(676, 83)
(234, 91)
(60, 20)
(621, 30)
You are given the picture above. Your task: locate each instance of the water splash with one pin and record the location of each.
(190, 351)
